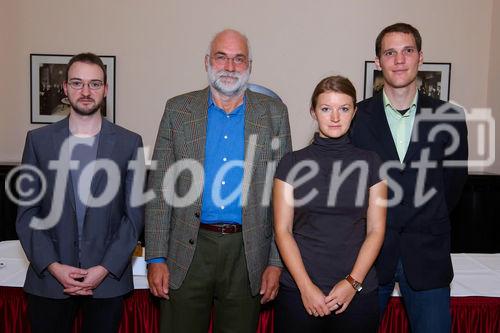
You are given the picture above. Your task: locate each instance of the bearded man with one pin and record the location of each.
(79, 244)
(209, 235)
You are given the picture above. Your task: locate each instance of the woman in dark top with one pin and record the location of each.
(329, 221)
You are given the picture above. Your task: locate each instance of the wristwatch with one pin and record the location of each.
(355, 284)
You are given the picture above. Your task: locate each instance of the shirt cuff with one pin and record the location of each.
(155, 260)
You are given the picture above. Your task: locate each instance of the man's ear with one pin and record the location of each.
(207, 59)
(420, 58)
(377, 64)
(65, 87)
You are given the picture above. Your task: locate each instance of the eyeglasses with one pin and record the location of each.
(79, 84)
(222, 59)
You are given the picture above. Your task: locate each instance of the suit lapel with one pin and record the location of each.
(416, 146)
(253, 125)
(105, 147)
(381, 129)
(195, 128)
(59, 136)
(255, 140)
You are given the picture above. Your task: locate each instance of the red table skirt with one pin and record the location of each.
(469, 314)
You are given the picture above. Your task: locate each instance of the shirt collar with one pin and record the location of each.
(388, 105)
(237, 111)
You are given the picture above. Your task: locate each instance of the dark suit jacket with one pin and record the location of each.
(110, 233)
(171, 232)
(419, 235)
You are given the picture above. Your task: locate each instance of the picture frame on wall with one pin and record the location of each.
(49, 104)
(433, 79)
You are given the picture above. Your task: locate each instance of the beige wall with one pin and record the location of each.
(494, 74)
(160, 45)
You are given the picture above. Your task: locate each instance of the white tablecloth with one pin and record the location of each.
(476, 274)
(13, 266)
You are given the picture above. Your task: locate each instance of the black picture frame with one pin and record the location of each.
(48, 102)
(434, 78)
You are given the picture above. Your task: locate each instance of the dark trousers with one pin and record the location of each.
(218, 279)
(428, 310)
(290, 316)
(57, 315)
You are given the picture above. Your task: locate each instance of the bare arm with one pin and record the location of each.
(342, 293)
(312, 297)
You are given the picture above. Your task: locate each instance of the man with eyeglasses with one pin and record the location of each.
(82, 260)
(412, 133)
(218, 251)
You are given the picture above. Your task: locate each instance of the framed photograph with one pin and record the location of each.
(433, 80)
(48, 101)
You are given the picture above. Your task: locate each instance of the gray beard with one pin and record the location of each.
(229, 91)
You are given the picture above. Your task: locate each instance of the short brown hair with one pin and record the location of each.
(338, 84)
(88, 58)
(398, 27)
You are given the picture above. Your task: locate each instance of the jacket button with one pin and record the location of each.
(191, 241)
(197, 214)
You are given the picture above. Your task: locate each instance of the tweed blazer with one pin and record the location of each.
(171, 226)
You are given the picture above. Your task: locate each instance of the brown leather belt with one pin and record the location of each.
(222, 228)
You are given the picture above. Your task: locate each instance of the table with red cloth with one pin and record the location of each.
(475, 302)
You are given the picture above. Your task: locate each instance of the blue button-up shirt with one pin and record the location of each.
(224, 147)
(224, 156)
